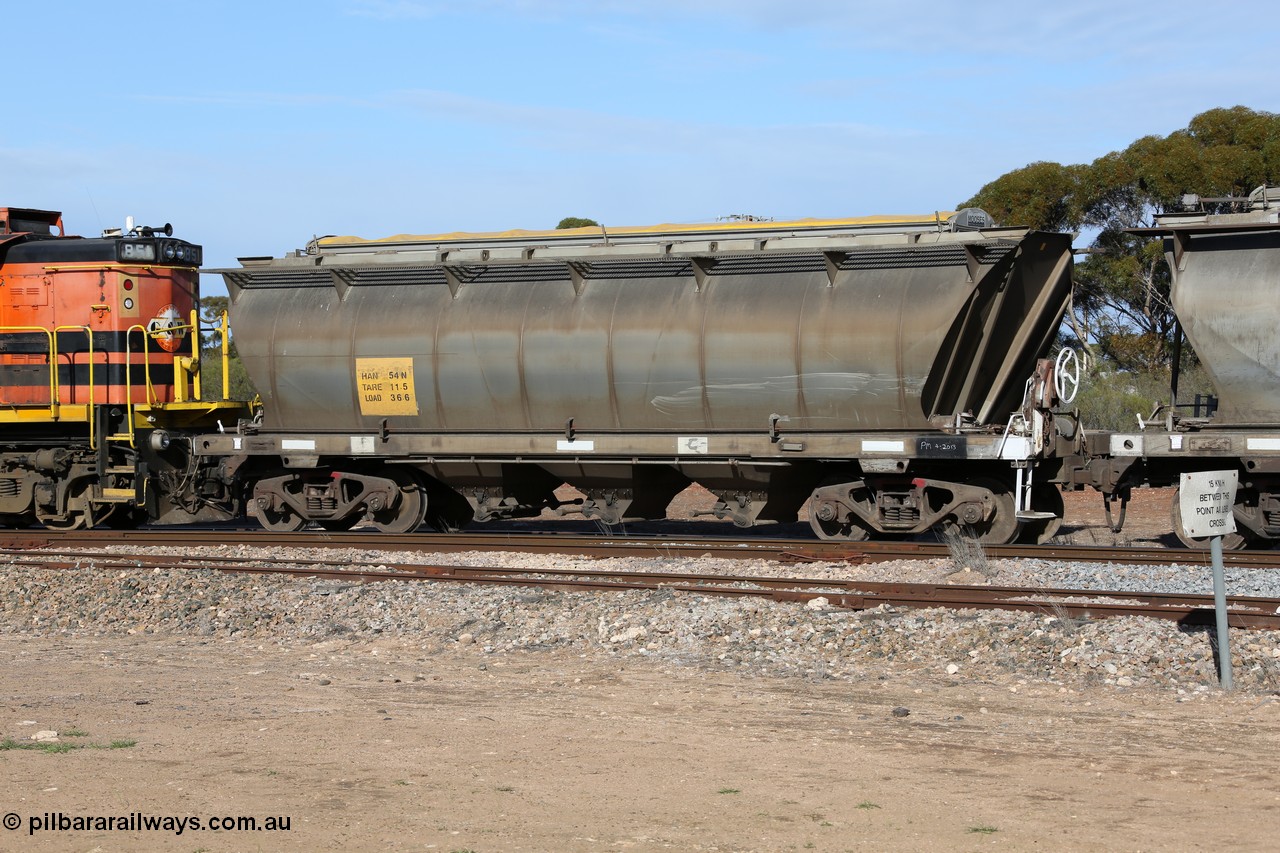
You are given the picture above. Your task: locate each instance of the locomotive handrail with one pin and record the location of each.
(52, 354)
(53, 373)
(146, 368)
(128, 377)
(184, 367)
(190, 366)
(90, 266)
(54, 388)
(129, 404)
(147, 336)
(53, 349)
(224, 330)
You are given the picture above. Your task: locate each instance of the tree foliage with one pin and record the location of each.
(211, 375)
(211, 309)
(575, 222)
(1121, 306)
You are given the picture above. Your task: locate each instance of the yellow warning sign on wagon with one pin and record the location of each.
(385, 386)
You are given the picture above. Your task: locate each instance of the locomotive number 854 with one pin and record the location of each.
(99, 376)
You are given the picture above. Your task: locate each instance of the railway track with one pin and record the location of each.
(1243, 611)
(605, 545)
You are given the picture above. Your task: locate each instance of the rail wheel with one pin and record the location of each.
(1045, 497)
(283, 520)
(1230, 542)
(78, 514)
(1001, 528)
(846, 531)
(447, 511)
(408, 512)
(70, 521)
(824, 520)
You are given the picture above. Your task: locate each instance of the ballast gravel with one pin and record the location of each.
(755, 637)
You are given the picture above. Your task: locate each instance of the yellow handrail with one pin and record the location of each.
(146, 365)
(225, 329)
(53, 369)
(53, 348)
(181, 365)
(184, 367)
(192, 365)
(54, 389)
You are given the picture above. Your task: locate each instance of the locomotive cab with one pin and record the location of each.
(101, 321)
(99, 362)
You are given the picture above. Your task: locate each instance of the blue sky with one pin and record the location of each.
(254, 126)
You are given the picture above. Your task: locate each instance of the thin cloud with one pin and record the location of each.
(1098, 31)
(393, 10)
(400, 10)
(253, 99)
(573, 126)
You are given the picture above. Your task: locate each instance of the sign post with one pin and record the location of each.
(1206, 501)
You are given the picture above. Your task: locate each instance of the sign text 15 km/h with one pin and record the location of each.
(1206, 501)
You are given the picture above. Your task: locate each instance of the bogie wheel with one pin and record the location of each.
(1001, 528)
(1045, 497)
(71, 521)
(75, 519)
(1230, 542)
(846, 531)
(408, 512)
(283, 520)
(447, 511)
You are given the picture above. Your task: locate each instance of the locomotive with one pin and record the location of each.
(889, 371)
(99, 377)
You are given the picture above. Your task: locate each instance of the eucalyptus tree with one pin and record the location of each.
(1120, 308)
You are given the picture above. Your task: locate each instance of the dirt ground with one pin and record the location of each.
(386, 747)
(1147, 519)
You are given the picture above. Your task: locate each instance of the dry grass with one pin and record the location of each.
(967, 553)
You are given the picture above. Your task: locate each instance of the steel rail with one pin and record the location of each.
(1243, 611)
(600, 545)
